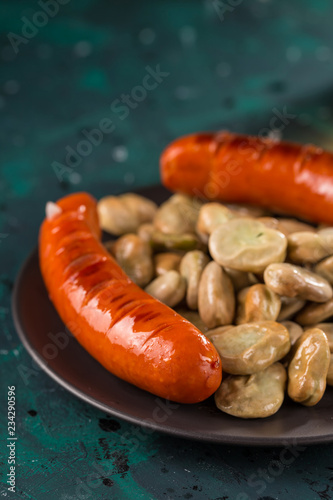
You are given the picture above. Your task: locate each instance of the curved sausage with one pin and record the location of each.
(286, 177)
(131, 334)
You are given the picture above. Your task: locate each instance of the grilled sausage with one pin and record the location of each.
(131, 334)
(283, 176)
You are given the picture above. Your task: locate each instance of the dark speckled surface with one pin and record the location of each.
(231, 64)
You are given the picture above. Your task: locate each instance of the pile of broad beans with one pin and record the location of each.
(259, 287)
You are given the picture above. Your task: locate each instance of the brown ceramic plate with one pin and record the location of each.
(73, 368)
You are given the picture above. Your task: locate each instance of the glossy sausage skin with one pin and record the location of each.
(286, 177)
(131, 334)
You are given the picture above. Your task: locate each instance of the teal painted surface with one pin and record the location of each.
(235, 74)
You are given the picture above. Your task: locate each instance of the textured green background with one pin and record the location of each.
(223, 73)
